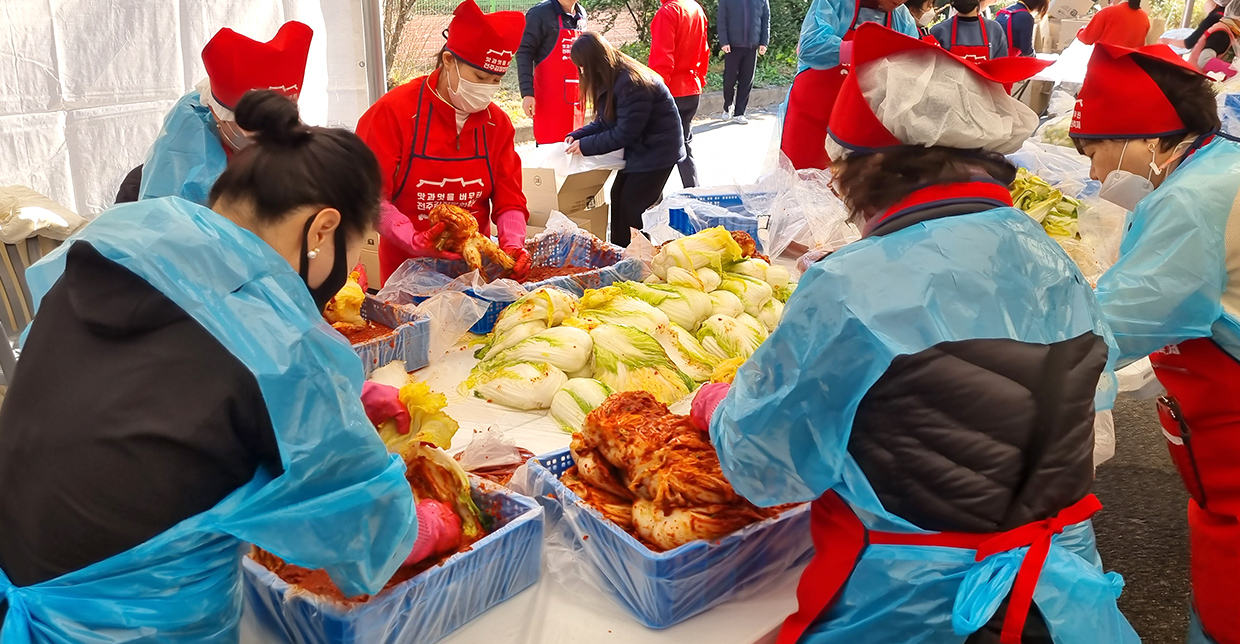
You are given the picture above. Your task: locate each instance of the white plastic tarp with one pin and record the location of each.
(85, 84)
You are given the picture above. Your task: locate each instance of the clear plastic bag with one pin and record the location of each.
(553, 156)
(594, 558)
(1101, 226)
(1064, 168)
(657, 222)
(489, 447)
(1104, 437)
(804, 211)
(451, 315)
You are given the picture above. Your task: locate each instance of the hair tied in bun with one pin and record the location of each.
(272, 118)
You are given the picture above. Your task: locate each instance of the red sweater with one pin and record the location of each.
(679, 51)
(1117, 25)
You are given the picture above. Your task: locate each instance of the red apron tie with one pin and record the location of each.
(840, 538)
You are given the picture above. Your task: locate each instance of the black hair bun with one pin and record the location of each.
(272, 117)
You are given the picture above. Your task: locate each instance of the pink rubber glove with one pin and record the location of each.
(382, 403)
(705, 403)
(439, 531)
(396, 229)
(510, 226)
(846, 48)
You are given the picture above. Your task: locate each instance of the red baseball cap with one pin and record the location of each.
(1118, 100)
(237, 64)
(854, 125)
(485, 41)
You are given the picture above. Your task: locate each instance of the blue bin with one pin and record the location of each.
(661, 589)
(410, 342)
(741, 218)
(429, 606)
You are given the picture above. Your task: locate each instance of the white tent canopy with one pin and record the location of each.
(85, 84)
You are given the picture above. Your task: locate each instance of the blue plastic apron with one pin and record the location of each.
(187, 157)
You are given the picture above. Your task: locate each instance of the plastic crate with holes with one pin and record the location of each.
(661, 589)
(552, 249)
(738, 218)
(425, 608)
(410, 342)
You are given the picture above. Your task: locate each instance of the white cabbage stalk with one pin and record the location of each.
(770, 314)
(563, 347)
(713, 247)
(685, 277)
(610, 304)
(653, 279)
(753, 292)
(575, 400)
(726, 303)
(497, 341)
(751, 267)
(753, 323)
(520, 386)
(684, 306)
(710, 278)
(547, 304)
(686, 352)
(726, 337)
(778, 276)
(628, 359)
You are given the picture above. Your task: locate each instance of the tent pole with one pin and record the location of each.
(1188, 14)
(372, 38)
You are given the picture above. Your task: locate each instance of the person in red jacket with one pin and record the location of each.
(680, 53)
(1124, 24)
(440, 139)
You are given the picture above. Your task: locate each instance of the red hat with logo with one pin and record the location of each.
(237, 64)
(960, 104)
(485, 41)
(1119, 100)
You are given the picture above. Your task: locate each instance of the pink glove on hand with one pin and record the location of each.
(705, 402)
(510, 226)
(382, 403)
(439, 531)
(396, 229)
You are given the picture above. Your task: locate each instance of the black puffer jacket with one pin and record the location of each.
(646, 127)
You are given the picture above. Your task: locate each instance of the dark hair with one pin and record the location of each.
(872, 183)
(291, 165)
(921, 4)
(600, 65)
(966, 6)
(1036, 6)
(1134, 4)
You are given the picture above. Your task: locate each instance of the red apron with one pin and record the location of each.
(972, 53)
(428, 180)
(1200, 417)
(557, 99)
(1013, 49)
(840, 538)
(813, 94)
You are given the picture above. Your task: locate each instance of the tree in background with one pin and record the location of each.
(396, 14)
(786, 18)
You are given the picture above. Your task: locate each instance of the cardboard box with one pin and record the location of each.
(545, 191)
(1045, 33)
(1158, 26)
(593, 221)
(370, 259)
(1067, 33)
(1069, 9)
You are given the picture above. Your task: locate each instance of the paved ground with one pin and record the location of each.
(1142, 531)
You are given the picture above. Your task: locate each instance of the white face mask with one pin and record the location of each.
(926, 18)
(1126, 189)
(470, 97)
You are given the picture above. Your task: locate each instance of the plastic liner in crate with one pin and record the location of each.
(577, 248)
(427, 607)
(737, 217)
(410, 342)
(661, 589)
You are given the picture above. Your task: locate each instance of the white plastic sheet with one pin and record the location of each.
(804, 210)
(86, 83)
(553, 155)
(1070, 66)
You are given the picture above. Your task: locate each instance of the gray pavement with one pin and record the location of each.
(729, 153)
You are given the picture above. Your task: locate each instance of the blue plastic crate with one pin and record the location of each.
(410, 342)
(661, 589)
(741, 218)
(429, 606)
(552, 249)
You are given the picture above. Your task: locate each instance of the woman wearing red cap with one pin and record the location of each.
(1148, 122)
(200, 134)
(440, 139)
(931, 388)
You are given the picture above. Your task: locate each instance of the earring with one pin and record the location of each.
(313, 254)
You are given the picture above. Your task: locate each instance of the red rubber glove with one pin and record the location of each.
(439, 531)
(521, 265)
(705, 403)
(396, 229)
(382, 403)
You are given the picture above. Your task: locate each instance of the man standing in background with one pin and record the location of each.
(680, 53)
(744, 28)
(548, 78)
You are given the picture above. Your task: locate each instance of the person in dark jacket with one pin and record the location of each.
(1214, 15)
(744, 28)
(931, 388)
(131, 186)
(1018, 21)
(548, 78)
(635, 112)
(970, 35)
